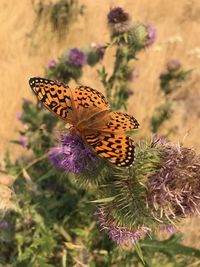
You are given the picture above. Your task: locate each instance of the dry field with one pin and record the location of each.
(177, 23)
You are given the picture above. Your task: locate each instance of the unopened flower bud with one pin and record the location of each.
(173, 65)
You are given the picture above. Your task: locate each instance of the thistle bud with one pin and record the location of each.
(52, 63)
(142, 36)
(173, 65)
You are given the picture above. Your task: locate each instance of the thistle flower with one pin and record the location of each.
(95, 53)
(52, 63)
(23, 140)
(161, 188)
(72, 154)
(118, 20)
(173, 65)
(76, 57)
(100, 49)
(175, 189)
(121, 235)
(141, 36)
(151, 35)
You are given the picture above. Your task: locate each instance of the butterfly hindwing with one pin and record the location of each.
(116, 148)
(54, 95)
(85, 97)
(120, 122)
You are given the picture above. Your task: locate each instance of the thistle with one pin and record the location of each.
(160, 189)
(72, 154)
(141, 36)
(118, 20)
(76, 57)
(174, 190)
(95, 53)
(151, 35)
(23, 141)
(123, 236)
(52, 63)
(173, 65)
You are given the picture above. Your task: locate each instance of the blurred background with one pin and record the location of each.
(25, 52)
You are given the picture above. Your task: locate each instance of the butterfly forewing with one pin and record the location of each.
(55, 96)
(116, 148)
(85, 97)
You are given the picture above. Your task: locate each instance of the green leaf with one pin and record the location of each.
(139, 252)
(103, 200)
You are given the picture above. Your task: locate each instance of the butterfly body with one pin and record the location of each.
(88, 113)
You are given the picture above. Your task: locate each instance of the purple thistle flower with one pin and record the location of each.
(173, 65)
(72, 155)
(123, 236)
(52, 63)
(117, 14)
(23, 140)
(118, 20)
(151, 35)
(175, 188)
(76, 57)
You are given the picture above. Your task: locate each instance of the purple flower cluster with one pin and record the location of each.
(23, 140)
(117, 14)
(123, 236)
(151, 35)
(175, 188)
(118, 20)
(72, 154)
(52, 63)
(76, 57)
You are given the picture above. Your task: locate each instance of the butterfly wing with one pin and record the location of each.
(55, 96)
(116, 148)
(120, 122)
(85, 97)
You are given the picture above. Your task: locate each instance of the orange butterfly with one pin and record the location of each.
(88, 111)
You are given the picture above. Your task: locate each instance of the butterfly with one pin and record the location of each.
(89, 114)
